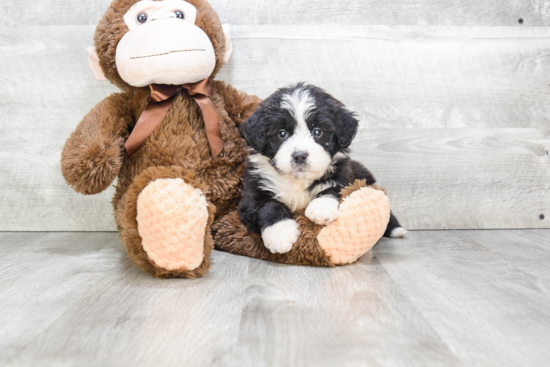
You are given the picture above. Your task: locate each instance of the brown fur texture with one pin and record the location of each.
(111, 29)
(97, 142)
(94, 154)
(232, 236)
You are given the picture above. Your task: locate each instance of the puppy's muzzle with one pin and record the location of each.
(299, 158)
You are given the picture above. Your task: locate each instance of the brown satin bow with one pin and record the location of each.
(162, 97)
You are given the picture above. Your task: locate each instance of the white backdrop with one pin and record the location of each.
(454, 101)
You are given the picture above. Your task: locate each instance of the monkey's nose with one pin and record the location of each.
(300, 157)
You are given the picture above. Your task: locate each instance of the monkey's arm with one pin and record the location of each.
(238, 105)
(93, 154)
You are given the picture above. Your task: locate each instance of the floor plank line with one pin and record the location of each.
(435, 298)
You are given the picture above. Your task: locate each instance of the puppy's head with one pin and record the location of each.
(300, 129)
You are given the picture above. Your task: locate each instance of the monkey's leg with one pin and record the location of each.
(363, 216)
(164, 222)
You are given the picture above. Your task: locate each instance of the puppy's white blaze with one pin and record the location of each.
(323, 210)
(280, 237)
(300, 104)
(292, 192)
(398, 232)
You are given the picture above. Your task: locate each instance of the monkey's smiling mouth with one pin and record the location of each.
(168, 53)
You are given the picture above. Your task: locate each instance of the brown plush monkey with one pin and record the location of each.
(171, 136)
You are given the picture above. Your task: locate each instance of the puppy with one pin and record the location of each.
(299, 139)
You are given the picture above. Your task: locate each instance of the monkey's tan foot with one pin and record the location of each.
(362, 219)
(172, 217)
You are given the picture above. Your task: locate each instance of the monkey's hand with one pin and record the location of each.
(93, 154)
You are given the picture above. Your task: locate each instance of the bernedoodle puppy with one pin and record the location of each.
(299, 139)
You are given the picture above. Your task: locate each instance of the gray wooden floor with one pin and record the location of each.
(450, 298)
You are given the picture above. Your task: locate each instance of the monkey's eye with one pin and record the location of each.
(142, 18)
(317, 132)
(179, 14)
(283, 134)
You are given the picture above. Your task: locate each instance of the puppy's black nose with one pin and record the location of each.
(300, 157)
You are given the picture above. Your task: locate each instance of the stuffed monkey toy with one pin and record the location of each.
(171, 136)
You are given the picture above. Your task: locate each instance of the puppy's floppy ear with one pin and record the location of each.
(254, 131)
(347, 126)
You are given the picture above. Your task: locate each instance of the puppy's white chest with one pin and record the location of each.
(294, 194)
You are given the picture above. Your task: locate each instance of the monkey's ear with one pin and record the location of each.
(93, 62)
(228, 44)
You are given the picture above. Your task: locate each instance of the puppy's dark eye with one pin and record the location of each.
(317, 132)
(142, 18)
(179, 14)
(283, 134)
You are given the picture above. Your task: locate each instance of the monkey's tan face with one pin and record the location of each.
(163, 45)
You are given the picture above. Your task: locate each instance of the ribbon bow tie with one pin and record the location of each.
(162, 97)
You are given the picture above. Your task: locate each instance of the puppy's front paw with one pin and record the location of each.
(280, 237)
(398, 232)
(322, 210)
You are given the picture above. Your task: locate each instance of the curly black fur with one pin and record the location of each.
(260, 205)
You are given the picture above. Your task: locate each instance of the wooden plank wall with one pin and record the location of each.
(453, 98)
(322, 12)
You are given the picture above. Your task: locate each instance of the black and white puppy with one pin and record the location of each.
(299, 139)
